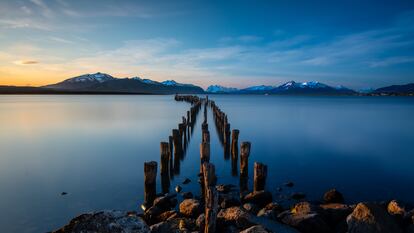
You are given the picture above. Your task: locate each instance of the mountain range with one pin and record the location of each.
(101, 83)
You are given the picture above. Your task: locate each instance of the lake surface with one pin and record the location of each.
(94, 147)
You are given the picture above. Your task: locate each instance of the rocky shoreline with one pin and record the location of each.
(254, 212)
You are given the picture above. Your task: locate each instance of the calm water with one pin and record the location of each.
(93, 148)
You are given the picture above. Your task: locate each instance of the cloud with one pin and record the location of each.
(391, 61)
(23, 23)
(26, 62)
(61, 40)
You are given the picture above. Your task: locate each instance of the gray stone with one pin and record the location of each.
(106, 222)
(371, 218)
(190, 207)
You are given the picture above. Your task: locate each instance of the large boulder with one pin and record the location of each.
(174, 225)
(371, 218)
(260, 198)
(255, 229)
(333, 196)
(271, 211)
(234, 216)
(396, 208)
(190, 208)
(307, 218)
(336, 212)
(106, 222)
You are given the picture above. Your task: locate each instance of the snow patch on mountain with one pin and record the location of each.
(259, 88)
(221, 89)
(97, 77)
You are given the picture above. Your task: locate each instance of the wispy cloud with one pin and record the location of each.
(26, 62)
(391, 61)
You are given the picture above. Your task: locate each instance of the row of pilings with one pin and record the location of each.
(173, 151)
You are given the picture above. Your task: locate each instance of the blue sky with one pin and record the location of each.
(358, 44)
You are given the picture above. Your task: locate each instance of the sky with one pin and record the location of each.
(358, 44)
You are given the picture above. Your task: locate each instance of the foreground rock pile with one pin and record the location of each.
(253, 213)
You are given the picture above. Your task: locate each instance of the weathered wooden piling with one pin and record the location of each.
(244, 165)
(165, 166)
(244, 158)
(150, 175)
(259, 177)
(178, 149)
(206, 136)
(234, 143)
(204, 154)
(211, 208)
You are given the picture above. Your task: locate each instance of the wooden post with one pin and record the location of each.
(209, 173)
(150, 175)
(260, 174)
(177, 143)
(244, 157)
(211, 203)
(244, 165)
(234, 143)
(165, 165)
(206, 136)
(204, 154)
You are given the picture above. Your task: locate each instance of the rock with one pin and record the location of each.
(166, 215)
(289, 184)
(178, 188)
(173, 226)
(255, 229)
(166, 202)
(333, 196)
(234, 216)
(187, 195)
(279, 189)
(228, 200)
(106, 221)
(190, 207)
(396, 208)
(251, 208)
(306, 218)
(260, 198)
(225, 188)
(336, 213)
(200, 222)
(63, 193)
(298, 196)
(371, 218)
(186, 181)
(271, 211)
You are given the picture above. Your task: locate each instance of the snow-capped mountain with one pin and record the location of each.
(221, 89)
(259, 88)
(291, 87)
(174, 83)
(97, 77)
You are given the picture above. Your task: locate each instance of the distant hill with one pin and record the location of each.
(407, 89)
(100, 82)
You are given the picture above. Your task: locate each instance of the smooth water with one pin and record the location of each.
(94, 147)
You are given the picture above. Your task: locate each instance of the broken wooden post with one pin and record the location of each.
(150, 175)
(165, 165)
(204, 154)
(211, 204)
(244, 165)
(206, 136)
(259, 177)
(235, 143)
(178, 149)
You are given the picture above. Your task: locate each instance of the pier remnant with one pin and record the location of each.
(150, 175)
(259, 177)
